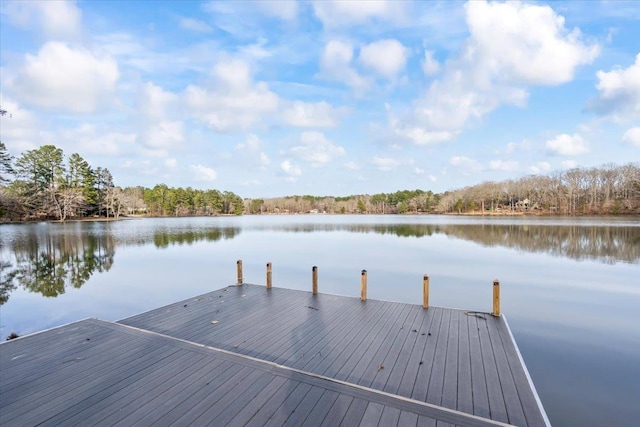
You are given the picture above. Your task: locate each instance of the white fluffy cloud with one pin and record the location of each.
(567, 145)
(291, 171)
(352, 166)
(195, 25)
(55, 18)
(465, 163)
(253, 143)
(256, 51)
(19, 128)
(155, 101)
(252, 152)
(95, 140)
(525, 43)
(430, 65)
(336, 54)
(385, 57)
(233, 74)
(619, 91)
(142, 167)
(421, 136)
(510, 47)
(385, 163)
(417, 134)
(340, 13)
(163, 137)
(264, 159)
(71, 79)
(233, 100)
(540, 168)
(203, 173)
(336, 64)
(285, 10)
(160, 130)
(316, 149)
(512, 147)
(632, 136)
(316, 115)
(504, 165)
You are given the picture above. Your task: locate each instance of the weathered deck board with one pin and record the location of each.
(428, 357)
(450, 387)
(22, 373)
(465, 387)
(391, 353)
(462, 361)
(317, 415)
(182, 383)
(530, 407)
(408, 419)
(436, 378)
(248, 411)
(513, 406)
(416, 363)
(478, 381)
(497, 404)
(271, 357)
(366, 366)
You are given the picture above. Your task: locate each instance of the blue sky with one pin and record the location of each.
(272, 98)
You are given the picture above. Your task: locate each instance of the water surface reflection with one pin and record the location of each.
(602, 243)
(48, 258)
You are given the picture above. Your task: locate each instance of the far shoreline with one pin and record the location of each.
(455, 214)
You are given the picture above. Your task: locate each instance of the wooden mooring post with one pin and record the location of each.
(425, 291)
(496, 298)
(314, 280)
(268, 275)
(239, 268)
(363, 285)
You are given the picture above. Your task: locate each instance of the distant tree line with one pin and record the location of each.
(610, 189)
(45, 185)
(165, 201)
(400, 202)
(42, 184)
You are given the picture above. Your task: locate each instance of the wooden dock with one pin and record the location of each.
(248, 355)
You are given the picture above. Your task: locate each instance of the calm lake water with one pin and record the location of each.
(570, 287)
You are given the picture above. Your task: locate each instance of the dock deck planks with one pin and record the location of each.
(466, 364)
(270, 357)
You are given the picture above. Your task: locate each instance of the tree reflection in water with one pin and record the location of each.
(164, 237)
(49, 263)
(601, 243)
(605, 244)
(7, 273)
